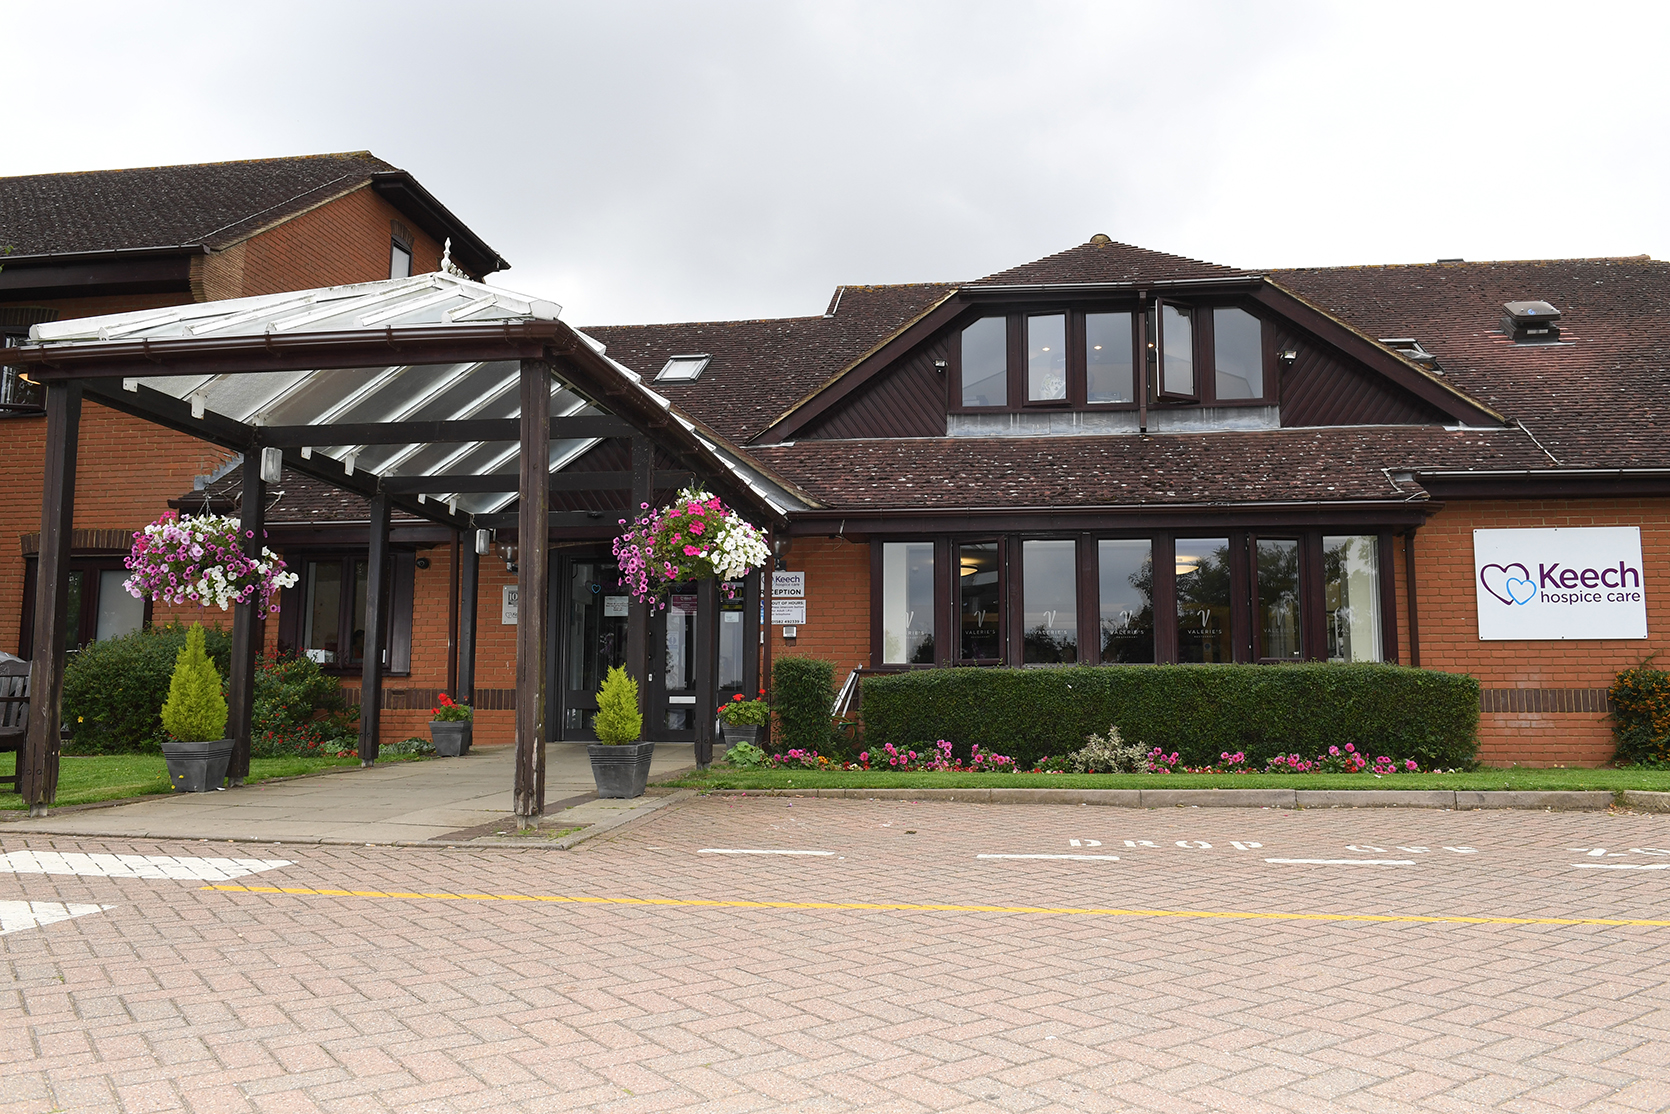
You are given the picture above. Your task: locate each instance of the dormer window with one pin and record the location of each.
(1238, 353)
(985, 362)
(1175, 351)
(1046, 358)
(683, 369)
(1109, 371)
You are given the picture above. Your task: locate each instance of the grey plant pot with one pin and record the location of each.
(620, 771)
(739, 733)
(451, 737)
(197, 767)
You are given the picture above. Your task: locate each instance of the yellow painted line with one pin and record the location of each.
(912, 907)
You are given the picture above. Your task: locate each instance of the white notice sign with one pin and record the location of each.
(1560, 583)
(788, 585)
(614, 607)
(788, 612)
(507, 611)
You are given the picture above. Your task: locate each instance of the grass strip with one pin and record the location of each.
(84, 780)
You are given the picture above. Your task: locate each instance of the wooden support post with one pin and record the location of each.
(452, 619)
(469, 589)
(252, 528)
(638, 656)
(38, 761)
(707, 658)
(533, 591)
(376, 618)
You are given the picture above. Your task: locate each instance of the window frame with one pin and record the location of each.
(401, 578)
(88, 620)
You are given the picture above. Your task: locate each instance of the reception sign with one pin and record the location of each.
(1560, 583)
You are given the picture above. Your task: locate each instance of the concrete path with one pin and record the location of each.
(395, 802)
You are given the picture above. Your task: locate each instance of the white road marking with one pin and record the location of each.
(1620, 866)
(755, 851)
(183, 868)
(1346, 862)
(15, 916)
(1074, 857)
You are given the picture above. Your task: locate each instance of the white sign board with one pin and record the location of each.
(1560, 583)
(788, 612)
(507, 610)
(614, 607)
(788, 585)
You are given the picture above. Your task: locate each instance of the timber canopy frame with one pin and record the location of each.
(434, 394)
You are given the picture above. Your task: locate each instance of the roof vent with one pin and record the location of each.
(1410, 349)
(1531, 322)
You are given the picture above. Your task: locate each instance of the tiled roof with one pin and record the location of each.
(213, 204)
(1287, 465)
(761, 368)
(1600, 398)
(295, 500)
(1103, 260)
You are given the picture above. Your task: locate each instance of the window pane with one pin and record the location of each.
(356, 646)
(1178, 372)
(1278, 598)
(596, 626)
(1203, 600)
(1238, 349)
(1049, 591)
(907, 603)
(119, 612)
(977, 578)
(1126, 573)
(400, 262)
(1046, 358)
(680, 666)
(1351, 594)
(72, 610)
(322, 610)
(1107, 357)
(986, 363)
(730, 636)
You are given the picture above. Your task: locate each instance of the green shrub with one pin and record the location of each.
(114, 690)
(618, 719)
(299, 711)
(1109, 754)
(745, 756)
(802, 692)
(195, 711)
(1641, 715)
(1199, 711)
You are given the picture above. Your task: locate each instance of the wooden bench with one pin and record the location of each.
(14, 717)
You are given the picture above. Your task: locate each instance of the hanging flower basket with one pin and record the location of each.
(201, 560)
(692, 538)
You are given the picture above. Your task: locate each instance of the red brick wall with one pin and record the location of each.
(1450, 633)
(343, 241)
(837, 626)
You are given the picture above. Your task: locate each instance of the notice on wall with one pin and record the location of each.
(614, 607)
(507, 610)
(788, 585)
(791, 612)
(1560, 583)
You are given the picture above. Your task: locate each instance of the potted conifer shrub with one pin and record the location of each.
(450, 727)
(619, 761)
(194, 715)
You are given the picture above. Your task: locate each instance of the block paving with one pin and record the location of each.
(178, 997)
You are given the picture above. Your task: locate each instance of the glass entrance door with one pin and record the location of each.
(594, 637)
(672, 690)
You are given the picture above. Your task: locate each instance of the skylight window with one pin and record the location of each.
(683, 369)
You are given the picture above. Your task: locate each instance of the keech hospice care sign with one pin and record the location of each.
(1564, 582)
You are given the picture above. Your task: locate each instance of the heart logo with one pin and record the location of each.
(1499, 582)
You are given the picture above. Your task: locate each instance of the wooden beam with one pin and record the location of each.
(556, 520)
(505, 481)
(438, 432)
(469, 591)
(376, 611)
(245, 625)
(38, 761)
(707, 656)
(533, 592)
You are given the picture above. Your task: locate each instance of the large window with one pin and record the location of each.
(980, 602)
(1238, 352)
(1278, 600)
(1351, 596)
(323, 616)
(1204, 631)
(985, 362)
(907, 608)
(1046, 358)
(98, 606)
(1125, 571)
(1049, 576)
(1110, 375)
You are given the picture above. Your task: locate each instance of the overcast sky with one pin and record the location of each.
(641, 162)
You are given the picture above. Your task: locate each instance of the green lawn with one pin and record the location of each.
(83, 780)
(1516, 778)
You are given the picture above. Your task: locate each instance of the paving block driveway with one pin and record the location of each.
(1166, 960)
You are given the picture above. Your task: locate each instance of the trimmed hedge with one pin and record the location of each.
(1199, 711)
(113, 690)
(802, 692)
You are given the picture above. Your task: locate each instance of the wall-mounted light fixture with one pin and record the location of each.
(507, 550)
(483, 542)
(272, 464)
(940, 366)
(1287, 356)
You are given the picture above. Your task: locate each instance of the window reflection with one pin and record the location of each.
(1351, 596)
(1177, 351)
(1238, 352)
(1046, 358)
(731, 605)
(985, 363)
(1107, 358)
(980, 604)
(1125, 569)
(1049, 583)
(907, 603)
(1203, 622)
(1278, 598)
